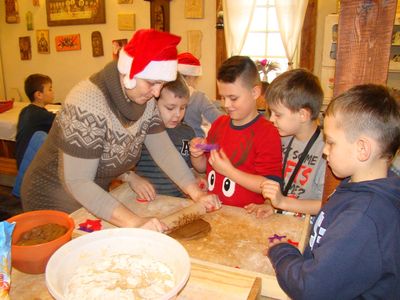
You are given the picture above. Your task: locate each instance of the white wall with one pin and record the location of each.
(68, 68)
(180, 26)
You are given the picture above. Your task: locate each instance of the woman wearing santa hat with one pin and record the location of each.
(200, 110)
(98, 135)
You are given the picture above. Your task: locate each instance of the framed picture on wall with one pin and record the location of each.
(75, 12)
(25, 47)
(42, 40)
(68, 42)
(117, 45)
(194, 9)
(159, 14)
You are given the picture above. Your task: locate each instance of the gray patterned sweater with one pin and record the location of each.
(98, 125)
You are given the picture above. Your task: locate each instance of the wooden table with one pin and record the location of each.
(205, 282)
(226, 264)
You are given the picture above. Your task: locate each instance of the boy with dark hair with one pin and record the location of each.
(295, 99)
(354, 250)
(34, 122)
(246, 147)
(149, 179)
(34, 117)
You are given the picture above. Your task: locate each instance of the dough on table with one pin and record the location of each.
(194, 230)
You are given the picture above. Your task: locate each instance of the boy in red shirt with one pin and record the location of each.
(241, 148)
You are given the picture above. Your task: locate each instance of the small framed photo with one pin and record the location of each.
(126, 21)
(25, 49)
(117, 45)
(396, 36)
(68, 42)
(194, 9)
(42, 40)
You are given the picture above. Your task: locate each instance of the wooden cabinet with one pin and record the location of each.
(329, 50)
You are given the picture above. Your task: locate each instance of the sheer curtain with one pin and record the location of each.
(237, 20)
(290, 15)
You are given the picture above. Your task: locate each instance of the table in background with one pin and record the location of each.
(8, 132)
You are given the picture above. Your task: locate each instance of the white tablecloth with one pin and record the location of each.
(9, 119)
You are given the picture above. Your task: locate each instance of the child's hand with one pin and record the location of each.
(220, 162)
(276, 242)
(273, 243)
(260, 210)
(271, 190)
(142, 187)
(202, 183)
(210, 201)
(194, 150)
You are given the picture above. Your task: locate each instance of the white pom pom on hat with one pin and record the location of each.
(151, 55)
(189, 65)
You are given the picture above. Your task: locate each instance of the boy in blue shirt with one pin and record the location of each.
(354, 249)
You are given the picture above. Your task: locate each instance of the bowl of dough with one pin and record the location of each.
(36, 236)
(118, 263)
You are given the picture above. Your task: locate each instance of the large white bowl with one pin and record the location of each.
(97, 245)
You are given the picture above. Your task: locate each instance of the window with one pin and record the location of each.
(264, 40)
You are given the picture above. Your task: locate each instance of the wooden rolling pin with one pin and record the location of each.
(184, 216)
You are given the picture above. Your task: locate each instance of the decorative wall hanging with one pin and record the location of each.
(73, 12)
(68, 42)
(194, 9)
(25, 48)
(97, 44)
(159, 14)
(35, 2)
(117, 45)
(194, 42)
(29, 20)
(126, 21)
(12, 14)
(42, 40)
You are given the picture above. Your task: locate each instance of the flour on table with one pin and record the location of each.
(120, 277)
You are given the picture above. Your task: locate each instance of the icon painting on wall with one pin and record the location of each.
(25, 48)
(68, 42)
(75, 12)
(97, 44)
(12, 14)
(117, 46)
(42, 39)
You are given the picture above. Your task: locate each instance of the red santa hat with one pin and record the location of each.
(150, 54)
(188, 64)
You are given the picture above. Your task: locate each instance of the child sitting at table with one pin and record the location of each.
(295, 99)
(148, 179)
(34, 122)
(244, 147)
(354, 249)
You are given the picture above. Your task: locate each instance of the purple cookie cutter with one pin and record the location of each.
(207, 147)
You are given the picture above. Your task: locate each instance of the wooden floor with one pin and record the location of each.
(9, 205)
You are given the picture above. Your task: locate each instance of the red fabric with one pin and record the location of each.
(151, 45)
(254, 148)
(187, 58)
